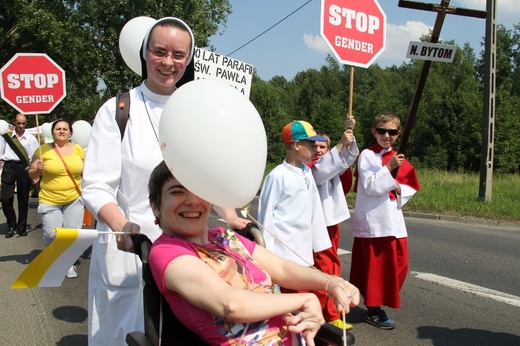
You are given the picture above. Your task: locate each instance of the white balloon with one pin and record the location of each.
(4, 126)
(81, 133)
(131, 39)
(46, 129)
(214, 142)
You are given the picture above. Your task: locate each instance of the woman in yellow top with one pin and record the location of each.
(60, 165)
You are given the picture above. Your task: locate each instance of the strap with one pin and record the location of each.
(161, 316)
(122, 111)
(17, 147)
(66, 168)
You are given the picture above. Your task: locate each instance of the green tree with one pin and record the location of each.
(267, 100)
(515, 87)
(507, 132)
(448, 122)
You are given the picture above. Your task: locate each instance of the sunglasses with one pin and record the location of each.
(391, 132)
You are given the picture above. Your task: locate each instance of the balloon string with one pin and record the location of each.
(344, 330)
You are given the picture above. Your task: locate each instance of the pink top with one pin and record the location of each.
(224, 245)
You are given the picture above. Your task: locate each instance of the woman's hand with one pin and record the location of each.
(35, 169)
(39, 165)
(124, 241)
(308, 320)
(345, 294)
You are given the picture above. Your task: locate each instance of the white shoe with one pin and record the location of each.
(72, 273)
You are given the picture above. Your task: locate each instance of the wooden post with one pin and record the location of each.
(39, 140)
(351, 95)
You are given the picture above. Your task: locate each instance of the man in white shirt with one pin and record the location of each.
(15, 150)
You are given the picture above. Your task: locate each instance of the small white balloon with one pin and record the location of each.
(81, 133)
(131, 39)
(4, 126)
(214, 142)
(46, 129)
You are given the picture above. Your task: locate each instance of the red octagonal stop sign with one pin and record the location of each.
(32, 83)
(354, 30)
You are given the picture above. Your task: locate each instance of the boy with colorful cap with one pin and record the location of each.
(290, 206)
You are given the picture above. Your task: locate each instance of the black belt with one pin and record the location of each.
(12, 161)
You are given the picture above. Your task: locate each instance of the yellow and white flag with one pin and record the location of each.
(49, 268)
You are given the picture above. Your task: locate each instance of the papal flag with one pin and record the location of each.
(49, 268)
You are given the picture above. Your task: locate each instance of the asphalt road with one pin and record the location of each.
(39, 316)
(463, 289)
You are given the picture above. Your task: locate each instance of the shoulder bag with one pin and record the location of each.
(87, 215)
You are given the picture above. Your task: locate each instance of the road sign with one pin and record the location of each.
(431, 51)
(354, 30)
(32, 83)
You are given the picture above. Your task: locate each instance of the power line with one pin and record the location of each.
(281, 20)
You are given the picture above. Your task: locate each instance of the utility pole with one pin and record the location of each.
(488, 114)
(442, 9)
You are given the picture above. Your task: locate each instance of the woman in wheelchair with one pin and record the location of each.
(220, 285)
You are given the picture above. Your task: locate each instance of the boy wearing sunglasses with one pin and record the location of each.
(385, 182)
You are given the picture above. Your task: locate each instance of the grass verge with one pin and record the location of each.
(456, 194)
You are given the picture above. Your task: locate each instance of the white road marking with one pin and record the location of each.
(466, 287)
(343, 252)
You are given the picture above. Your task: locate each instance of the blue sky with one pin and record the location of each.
(296, 45)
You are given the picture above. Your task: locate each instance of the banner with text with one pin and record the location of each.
(211, 65)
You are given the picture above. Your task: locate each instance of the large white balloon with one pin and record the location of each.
(131, 39)
(214, 142)
(46, 129)
(81, 133)
(4, 126)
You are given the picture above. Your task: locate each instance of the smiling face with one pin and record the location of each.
(182, 213)
(166, 58)
(386, 140)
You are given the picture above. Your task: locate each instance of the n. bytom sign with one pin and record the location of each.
(431, 51)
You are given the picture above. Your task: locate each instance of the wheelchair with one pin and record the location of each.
(162, 326)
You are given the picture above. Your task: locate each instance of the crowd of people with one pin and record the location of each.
(130, 190)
